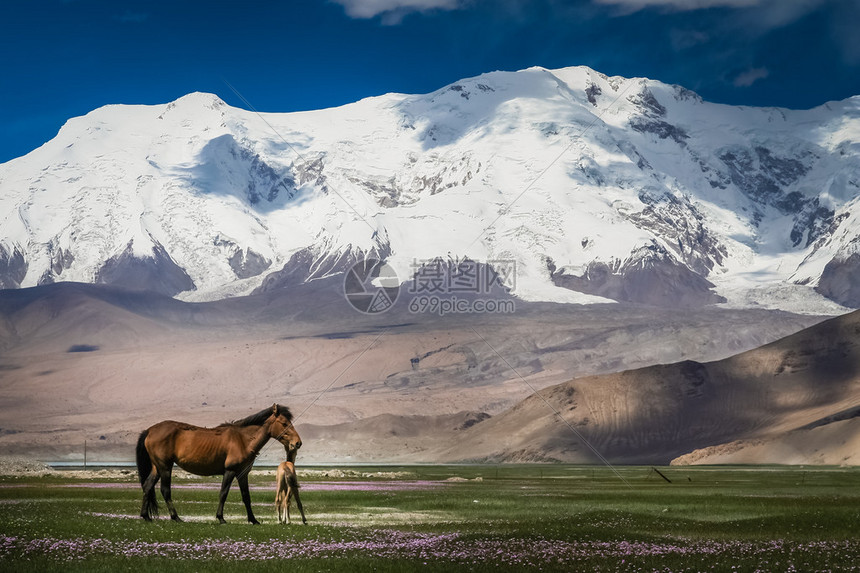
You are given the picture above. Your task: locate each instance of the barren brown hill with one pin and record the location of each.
(83, 362)
(835, 443)
(782, 395)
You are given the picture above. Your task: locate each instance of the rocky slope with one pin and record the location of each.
(793, 395)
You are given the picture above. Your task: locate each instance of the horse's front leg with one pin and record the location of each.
(166, 475)
(225, 489)
(246, 497)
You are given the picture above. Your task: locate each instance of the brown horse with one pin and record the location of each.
(229, 449)
(288, 487)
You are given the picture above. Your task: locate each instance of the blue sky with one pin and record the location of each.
(63, 58)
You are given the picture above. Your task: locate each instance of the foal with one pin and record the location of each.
(288, 486)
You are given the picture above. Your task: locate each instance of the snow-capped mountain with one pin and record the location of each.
(598, 188)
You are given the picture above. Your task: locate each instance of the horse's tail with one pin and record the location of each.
(144, 469)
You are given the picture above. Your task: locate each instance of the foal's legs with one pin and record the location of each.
(292, 484)
(246, 496)
(295, 490)
(281, 496)
(166, 475)
(288, 487)
(287, 508)
(279, 503)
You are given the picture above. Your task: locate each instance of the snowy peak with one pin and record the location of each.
(597, 188)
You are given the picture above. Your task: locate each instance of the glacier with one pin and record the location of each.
(599, 188)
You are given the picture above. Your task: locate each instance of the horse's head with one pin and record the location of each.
(282, 429)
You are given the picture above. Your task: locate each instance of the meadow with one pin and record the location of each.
(449, 518)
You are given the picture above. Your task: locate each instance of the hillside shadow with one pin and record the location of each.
(225, 167)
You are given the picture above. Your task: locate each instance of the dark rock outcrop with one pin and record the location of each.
(649, 276)
(156, 273)
(311, 263)
(13, 266)
(248, 263)
(840, 281)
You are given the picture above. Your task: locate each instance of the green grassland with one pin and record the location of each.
(531, 517)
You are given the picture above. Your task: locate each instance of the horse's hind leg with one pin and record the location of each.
(246, 497)
(148, 495)
(166, 476)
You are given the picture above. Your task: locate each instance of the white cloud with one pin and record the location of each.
(753, 18)
(682, 5)
(779, 13)
(845, 31)
(748, 77)
(769, 14)
(394, 8)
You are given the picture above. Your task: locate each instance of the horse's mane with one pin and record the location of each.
(260, 417)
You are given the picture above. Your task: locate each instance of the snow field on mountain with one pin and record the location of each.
(548, 168)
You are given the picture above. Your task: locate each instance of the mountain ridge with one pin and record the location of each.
(598, 188)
